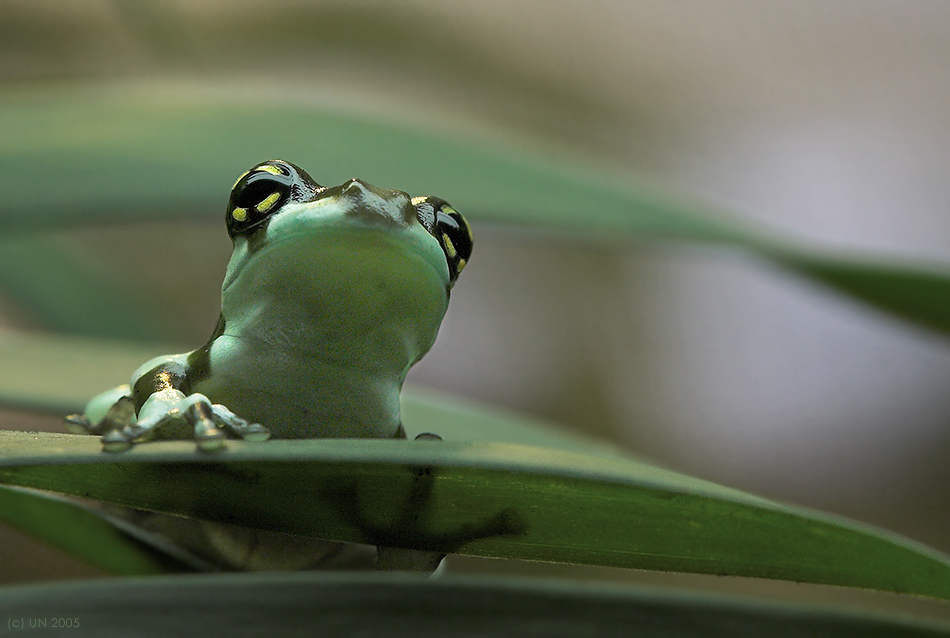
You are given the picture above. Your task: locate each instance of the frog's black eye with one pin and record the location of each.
(261, 191)
(450, 229)
(257, 193)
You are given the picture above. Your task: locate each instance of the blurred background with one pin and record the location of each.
(824, 122)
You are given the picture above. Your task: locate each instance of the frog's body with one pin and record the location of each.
(331, 295)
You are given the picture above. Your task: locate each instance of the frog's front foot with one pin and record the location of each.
(168, 414)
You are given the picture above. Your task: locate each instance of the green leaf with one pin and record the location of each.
(921, 293)
(623, 513)
(167, 151)
(82, 532)
(85, 155)
(483, 499)
(62, 293)
(399, 605)
(60, 374)
(455, 419)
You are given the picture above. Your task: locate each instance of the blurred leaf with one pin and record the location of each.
(400, 605)
(61, 293)
(922, 295)
(157, 151)
(87, 155)
(60, 374)
(483, 499)
(455, 419)
(84, 533)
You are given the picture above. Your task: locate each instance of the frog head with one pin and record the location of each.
(340, 268)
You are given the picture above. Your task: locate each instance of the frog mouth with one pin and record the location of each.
(326, 237)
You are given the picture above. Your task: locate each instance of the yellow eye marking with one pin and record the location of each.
(449, 210)
(417, 200)
(449, 246)
(243, 175)
(268, 202)
(460, 266)
(239, 214)
(273, 170)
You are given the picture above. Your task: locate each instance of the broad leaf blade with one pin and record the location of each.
(395, 605)
(63, 373)
(97, 154)
(81, 532)
(484, 499)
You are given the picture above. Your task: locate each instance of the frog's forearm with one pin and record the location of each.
(168, 373)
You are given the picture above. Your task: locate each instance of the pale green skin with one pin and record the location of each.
(322, 322)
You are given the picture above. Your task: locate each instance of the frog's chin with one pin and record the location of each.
(343, 280)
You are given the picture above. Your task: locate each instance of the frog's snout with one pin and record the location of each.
(357, 187)
(379, 204)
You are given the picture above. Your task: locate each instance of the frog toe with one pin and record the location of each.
(237, 426)
(255, 432)
(122, 439)
(116, 441)
(111, 410)
(208, 436)
(209, 439)
(159, 416)
(79, 424)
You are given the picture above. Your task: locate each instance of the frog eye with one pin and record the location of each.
(450, 229)
(259, 193)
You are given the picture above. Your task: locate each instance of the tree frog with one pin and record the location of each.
(330, 296)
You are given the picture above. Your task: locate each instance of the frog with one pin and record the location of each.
(330, 296)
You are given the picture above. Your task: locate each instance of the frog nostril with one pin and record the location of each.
(360, 188)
